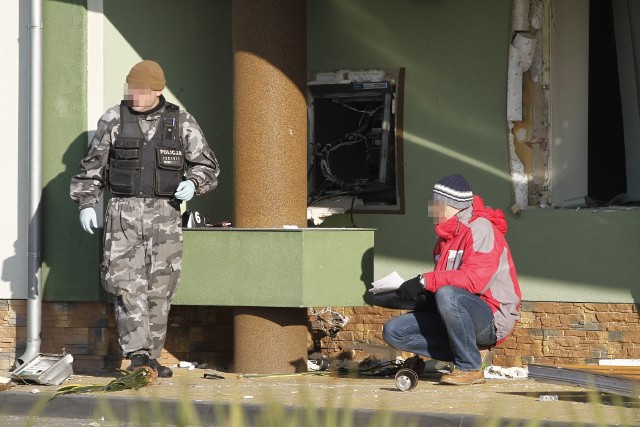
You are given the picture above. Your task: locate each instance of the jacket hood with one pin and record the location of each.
(494, 215)
(451, 227)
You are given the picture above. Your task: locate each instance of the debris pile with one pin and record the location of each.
(499, 372)
(329, 321)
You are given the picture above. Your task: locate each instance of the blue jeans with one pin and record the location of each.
(448, 325)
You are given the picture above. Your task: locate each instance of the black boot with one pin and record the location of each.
(163, 371)
(138, 360)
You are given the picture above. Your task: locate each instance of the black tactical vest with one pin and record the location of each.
(141, 168)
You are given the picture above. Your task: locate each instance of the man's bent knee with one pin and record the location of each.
(447, 296)
(390, 335)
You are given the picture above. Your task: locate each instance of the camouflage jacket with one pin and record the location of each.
(201, 163)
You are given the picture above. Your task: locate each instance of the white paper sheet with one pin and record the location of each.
(390, 282)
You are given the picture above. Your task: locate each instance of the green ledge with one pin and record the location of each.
(302, 267)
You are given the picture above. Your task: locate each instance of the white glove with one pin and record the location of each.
(185, 190)
(88, 219)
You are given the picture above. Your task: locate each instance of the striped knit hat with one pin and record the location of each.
(454, 190)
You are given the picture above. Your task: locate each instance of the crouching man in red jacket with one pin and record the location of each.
(471, 299)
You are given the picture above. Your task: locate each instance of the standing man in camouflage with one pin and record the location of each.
(151, 156)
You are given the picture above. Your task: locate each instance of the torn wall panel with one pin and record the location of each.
(528, 104)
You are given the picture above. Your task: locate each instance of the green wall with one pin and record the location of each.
(578, 255)
(455, 56)
(69, 255)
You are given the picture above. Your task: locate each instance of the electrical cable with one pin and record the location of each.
(350, 138)
(353, 224)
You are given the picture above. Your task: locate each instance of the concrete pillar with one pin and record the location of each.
(270, 340)
(270, 161)
(270, 113)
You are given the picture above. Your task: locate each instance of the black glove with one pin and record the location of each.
(410, 289)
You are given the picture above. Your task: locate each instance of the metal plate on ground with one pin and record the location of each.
(624, 380)
(45, 369)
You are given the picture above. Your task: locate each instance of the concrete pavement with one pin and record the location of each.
(205, 401)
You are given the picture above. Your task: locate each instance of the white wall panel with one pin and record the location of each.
(14, 194)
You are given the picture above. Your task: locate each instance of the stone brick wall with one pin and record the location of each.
(87, 331)
(13, 321)
(549, 333)
(572, 333)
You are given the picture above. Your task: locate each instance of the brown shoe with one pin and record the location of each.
(459, 377)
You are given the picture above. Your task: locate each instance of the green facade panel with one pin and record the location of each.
(276, 267)
(338, 267)
(586, 255)
(70, 257)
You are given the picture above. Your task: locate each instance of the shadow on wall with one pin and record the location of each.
(71, 245)
(367, 275)
(12, 270)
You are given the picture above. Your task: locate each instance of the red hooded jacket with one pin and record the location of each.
(473, 254)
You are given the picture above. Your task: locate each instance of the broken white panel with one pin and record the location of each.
(520, 15)
(514, 86)
(521, 53)
(535, 14)
(336, 205)
(318, 214)
(348, 76)
(526, 45)
(536, 71)
(339, 76)
(366, 75)
(518, 177)
(546, 19)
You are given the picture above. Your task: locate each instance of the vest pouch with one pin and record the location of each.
(169, 162)
(123, 176)
(124, 166)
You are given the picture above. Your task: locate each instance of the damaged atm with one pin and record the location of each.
(355, 145)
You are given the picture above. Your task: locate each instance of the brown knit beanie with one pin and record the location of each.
(147, 73)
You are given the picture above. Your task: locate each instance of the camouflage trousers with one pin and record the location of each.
(141, 268)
